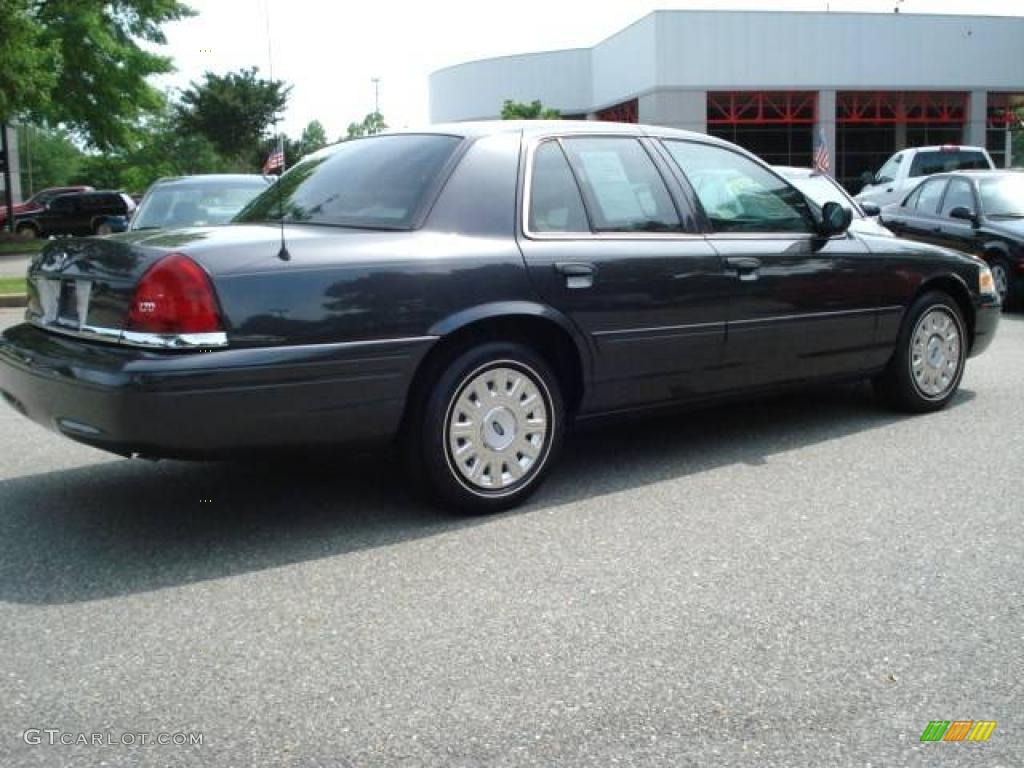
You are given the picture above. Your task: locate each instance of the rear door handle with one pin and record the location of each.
(578, 274)
(746, 267)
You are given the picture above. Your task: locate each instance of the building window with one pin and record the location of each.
(872, 125)
(1005, 119)
(776, 125)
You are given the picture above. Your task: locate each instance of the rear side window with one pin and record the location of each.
(378, 183)
(930, 195)
(890, 169)
(928, 163)
(958, 195)
(623, 189)
(737, 194)
(555, 201)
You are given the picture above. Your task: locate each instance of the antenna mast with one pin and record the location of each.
(282, 253)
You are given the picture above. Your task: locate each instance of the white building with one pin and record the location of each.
(874, 83)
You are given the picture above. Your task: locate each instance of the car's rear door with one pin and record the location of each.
(918, 218)
(609, 242)
(801, 306)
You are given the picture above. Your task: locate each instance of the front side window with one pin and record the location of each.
(621, 185)
(377, 183)
(959, 195)
(931, 194)
(555, 201)
(737, 194)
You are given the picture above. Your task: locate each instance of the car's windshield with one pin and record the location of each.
(190, 204)
(377, 182)
(1003, 197)
(821, 190)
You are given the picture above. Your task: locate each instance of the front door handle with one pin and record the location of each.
(578, 274)
(746, 267)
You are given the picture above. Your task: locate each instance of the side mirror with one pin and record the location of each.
(870, 209)
(867, 178)
(835, 219)
(964, 213)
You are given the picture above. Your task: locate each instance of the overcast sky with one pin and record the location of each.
(329, 50)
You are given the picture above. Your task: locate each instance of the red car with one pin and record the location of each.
(39, 200)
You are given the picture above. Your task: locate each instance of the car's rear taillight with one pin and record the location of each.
(174, 296)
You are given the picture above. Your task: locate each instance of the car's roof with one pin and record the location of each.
(945, 148)
(977, 173)
(796, 172)
(530, 128)
(208, 177)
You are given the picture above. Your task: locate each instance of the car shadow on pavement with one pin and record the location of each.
(125, 527)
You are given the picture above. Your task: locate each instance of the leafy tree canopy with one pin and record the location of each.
(371, 124)
(519, 110)
(233, 111)
(78, 63)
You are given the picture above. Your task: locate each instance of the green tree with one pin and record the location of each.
(313, 137)
(371, 124)
(519, 110)
(234, 111)
(79, 63)
(49, 158)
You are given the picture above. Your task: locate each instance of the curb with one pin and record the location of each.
(14, 300)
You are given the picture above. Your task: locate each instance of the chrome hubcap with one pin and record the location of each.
(1000, 278)
(498, 428)
(935, 353)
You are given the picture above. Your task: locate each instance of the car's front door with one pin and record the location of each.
(610, 243)
(959, 234)
(918, 218)
(59, 216)
(801, 306)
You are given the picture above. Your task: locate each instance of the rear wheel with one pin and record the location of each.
(928, 364)
(488, 429)
(1004, 281)
(103, 228)
(27, 231)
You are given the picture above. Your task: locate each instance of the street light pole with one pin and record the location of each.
(376, 94)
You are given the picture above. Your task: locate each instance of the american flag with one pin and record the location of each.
(821, 161)
(275, 162)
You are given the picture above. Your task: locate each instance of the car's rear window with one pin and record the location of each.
(379, 182)
(943, 161)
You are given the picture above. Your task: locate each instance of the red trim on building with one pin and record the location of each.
(762, 107)
(626, 112)
(896, 107)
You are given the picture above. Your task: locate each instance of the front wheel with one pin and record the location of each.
(489, 428)
(928, 364)
(1004, 282)
(27, 231)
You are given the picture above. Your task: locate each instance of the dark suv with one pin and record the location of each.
(82, 213)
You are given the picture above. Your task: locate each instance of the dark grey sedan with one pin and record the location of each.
(472, 290)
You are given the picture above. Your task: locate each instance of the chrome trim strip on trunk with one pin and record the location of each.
(136, 339)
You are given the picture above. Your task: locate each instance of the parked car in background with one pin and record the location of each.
(196, 201)
(82, 213)
(471, 290)
(906, 168)
(822, 188)
(978, 212)
(39, 200)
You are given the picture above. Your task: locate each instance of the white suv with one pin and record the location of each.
(906, 168)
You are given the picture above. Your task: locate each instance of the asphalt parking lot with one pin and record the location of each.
(806, 581)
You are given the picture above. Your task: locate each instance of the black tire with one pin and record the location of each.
(27, 231)
(429, 440)
(1009, 296)
(906, 383)
(103, 228)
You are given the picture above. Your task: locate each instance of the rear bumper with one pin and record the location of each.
(205, 404)
(987, 311)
